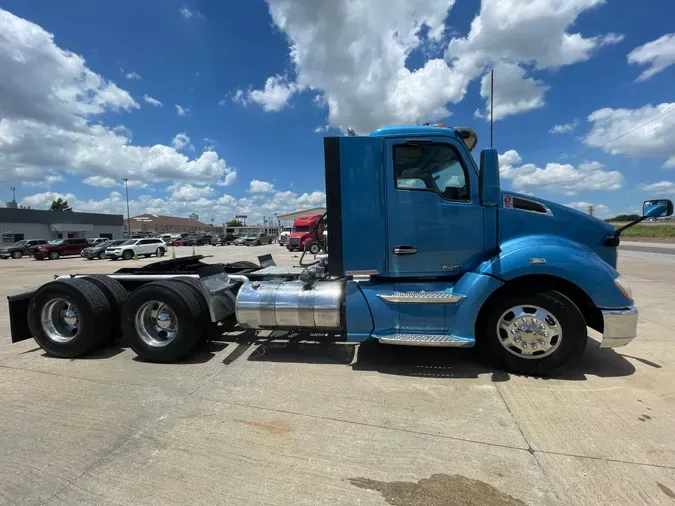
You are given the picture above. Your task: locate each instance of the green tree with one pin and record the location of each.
(624, 217)
(234, 223)
(60, 205)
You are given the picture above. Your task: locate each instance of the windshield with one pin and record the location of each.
(106, 243)
(56, 241)
(301, 229)
(19, 243)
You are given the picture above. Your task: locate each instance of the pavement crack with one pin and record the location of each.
(363, 424)
(530, 450)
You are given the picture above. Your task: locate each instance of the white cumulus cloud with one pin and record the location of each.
(354, 55)
(260, 187)
(152, 101)
(182, 111)
(182, 142)
(565, 128)
(188, 192)
(132, 75)
(659, 54)
(101, 181)
(615, 131)
(660, 188)
(514, 92)
(52, 104)
(556, 177)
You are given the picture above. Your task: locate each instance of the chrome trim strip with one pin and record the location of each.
(620, 326)
(422, 297)
(428, 340)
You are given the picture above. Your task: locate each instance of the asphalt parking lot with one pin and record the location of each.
(255, 423)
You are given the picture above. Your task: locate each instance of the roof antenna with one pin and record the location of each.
(492, 103)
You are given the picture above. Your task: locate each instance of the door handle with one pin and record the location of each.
(405, 250)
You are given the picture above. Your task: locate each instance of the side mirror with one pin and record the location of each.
(657, 208)
(488, 179)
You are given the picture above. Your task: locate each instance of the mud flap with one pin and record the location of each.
(18, 315)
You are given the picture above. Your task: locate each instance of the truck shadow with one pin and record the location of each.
(416, 361)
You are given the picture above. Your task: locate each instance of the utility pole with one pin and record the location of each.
(126, 187)
(13, 193)
(590, 210)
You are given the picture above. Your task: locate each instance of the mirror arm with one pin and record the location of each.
(613, 240)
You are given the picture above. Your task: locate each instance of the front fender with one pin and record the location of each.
(556, 256)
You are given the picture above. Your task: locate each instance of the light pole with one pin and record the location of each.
(126, 187)
(13, 193)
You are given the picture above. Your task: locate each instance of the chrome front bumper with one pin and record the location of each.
(620, 326)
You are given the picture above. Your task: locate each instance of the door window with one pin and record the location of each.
(431, 167)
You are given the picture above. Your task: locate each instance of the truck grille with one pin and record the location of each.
(294, 242)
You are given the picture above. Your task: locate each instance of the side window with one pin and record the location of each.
(431, 167)
(142, 241)
(81, 241)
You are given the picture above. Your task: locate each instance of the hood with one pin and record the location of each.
(565, 222)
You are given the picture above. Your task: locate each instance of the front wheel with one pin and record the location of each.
(127, 255)
(54, 255)
(101, 255)
(160, 252)
(533, 333)
(17, 254)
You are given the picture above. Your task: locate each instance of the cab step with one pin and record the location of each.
(440, 340)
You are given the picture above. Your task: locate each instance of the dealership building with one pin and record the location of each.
(19, 223)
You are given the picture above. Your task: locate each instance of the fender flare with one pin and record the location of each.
(561, 258)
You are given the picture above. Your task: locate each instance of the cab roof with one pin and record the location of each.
(415, 130)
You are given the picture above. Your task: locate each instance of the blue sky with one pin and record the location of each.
(259, 84)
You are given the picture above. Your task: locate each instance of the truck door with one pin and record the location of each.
(435, 220)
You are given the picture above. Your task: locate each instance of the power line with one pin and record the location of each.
(667, 111)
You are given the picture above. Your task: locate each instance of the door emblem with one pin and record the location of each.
(449, 267)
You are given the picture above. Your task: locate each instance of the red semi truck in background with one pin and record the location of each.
(307, 233)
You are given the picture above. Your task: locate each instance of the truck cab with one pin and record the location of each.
(307, 232)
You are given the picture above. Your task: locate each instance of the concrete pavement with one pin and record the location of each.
(254, 422)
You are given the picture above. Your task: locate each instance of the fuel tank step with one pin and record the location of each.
(439, 340)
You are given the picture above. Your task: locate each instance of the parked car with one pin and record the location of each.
(97, 240)
(98, 250)
(195, 240)
(258, 239)
(223, 239)
(283, 237)
(240, 241)
(179, 242)
(19, 248)
(58, 248)
(136, 247)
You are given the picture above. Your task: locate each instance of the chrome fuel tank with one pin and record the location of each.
(290, 304)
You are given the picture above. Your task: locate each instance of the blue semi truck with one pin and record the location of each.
(425, 249)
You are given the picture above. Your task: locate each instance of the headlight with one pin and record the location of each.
(623, 285)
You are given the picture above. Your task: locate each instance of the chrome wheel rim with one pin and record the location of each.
(529, 332)
(60, 320)
(156, 324)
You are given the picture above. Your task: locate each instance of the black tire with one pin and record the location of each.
(148, 255)
(187, 309)
(127, 254)
(205, 314)
(89, 258)
(101, 255)
(17, 254)
(94, 314)
(160, 252)
(573, 341)
(54, 255)
(117, 296)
